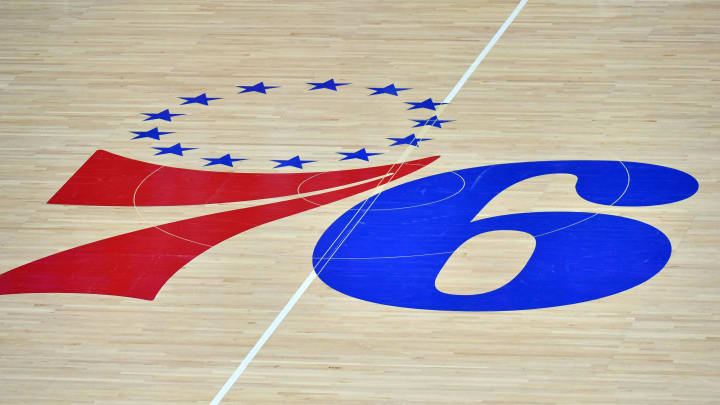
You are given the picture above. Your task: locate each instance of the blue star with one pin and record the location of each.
(408, 140)
(164, 115)
(224, 160)
(153, 133)
(258, 88)
(175, 150)
(360, 154)
(330, 85)
(294, 162)
(428, 104)
(389, 89)
(201, 99)
(431, 122)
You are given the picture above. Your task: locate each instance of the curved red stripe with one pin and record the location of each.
(107, 179)
(139, 263)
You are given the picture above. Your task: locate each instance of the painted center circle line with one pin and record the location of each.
(461, 186)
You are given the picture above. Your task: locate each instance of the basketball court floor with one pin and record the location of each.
(373, 202)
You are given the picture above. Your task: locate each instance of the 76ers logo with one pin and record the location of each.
(388, 249)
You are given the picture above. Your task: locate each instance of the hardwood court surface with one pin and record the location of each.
(601, 80)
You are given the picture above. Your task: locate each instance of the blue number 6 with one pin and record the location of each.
(392, 253)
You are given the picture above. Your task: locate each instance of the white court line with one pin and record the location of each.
(296, 297)
(484, 52)
(304, 286)
(459, 190)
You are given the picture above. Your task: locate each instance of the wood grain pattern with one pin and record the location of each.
(630, 80)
